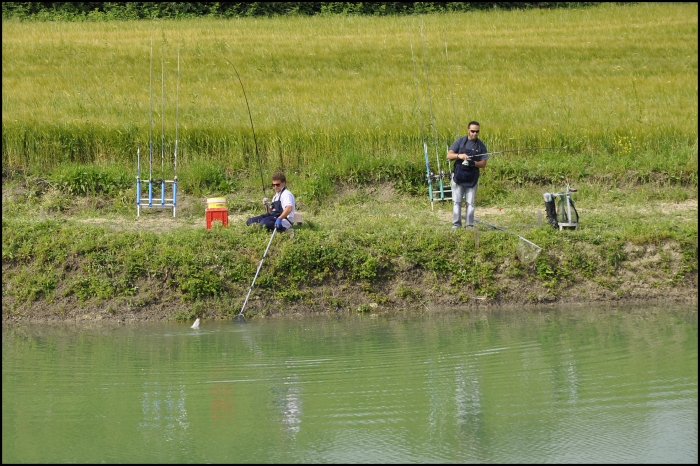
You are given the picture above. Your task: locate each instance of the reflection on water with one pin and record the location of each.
(221, 393)
(562, 385)
(288, 400)
(164, 413)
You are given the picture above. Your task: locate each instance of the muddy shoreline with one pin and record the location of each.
(168, 305)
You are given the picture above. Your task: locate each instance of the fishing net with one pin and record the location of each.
(527, 251)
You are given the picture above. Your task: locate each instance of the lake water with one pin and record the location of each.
(521, 386)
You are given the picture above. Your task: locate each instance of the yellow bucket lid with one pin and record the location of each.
(216, 200)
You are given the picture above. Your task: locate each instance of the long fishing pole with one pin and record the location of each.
(430, 101)
(240, 317)
(452, 95)
(162, 117)
(422, 129)
(177, 108)
(518, 150)
(250, 115)
(177, 123)
(150, 117)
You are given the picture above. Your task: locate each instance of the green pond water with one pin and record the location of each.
(558, 385)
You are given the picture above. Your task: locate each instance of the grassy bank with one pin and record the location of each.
(369, 250)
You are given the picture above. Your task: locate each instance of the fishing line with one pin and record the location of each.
(454, 112)
(428, 175)
(240, 317)
(415, 80)
(250, 115)
(430, 100)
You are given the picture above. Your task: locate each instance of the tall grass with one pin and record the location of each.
(337, 95)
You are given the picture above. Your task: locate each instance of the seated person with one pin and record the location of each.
(280, 214)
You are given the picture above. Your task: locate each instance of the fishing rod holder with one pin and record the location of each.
(560, 209)
(159, 185)
(439, 186)
(151, 193)
(159, 201)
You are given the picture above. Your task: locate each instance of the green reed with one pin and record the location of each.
(616, 85)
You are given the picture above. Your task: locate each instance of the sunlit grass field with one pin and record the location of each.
(345, 97)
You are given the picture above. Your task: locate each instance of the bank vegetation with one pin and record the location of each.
(337, 105)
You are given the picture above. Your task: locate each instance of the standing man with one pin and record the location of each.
(280, 214)
(469, 154)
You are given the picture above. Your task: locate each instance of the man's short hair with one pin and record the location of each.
(279, 176)
(473, 123)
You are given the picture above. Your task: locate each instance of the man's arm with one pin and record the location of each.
(287, 210)
(483, 150)
(452, 155)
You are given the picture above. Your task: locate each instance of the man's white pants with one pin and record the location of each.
(468, 194)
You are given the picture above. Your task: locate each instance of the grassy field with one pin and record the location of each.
(336, 104)
(337, 95)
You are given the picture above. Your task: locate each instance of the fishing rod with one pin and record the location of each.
(422, 126)
(177, 123)
(150, 117)
(452, 95)
(432, 117)
(162, 117)
(177, 108)
(240, 317)
(517, 150)
(250, 115)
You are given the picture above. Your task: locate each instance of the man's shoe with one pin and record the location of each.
(249, 222)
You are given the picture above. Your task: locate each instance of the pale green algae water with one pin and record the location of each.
(563, 385)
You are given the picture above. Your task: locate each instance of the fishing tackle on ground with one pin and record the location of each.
(560, 209)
